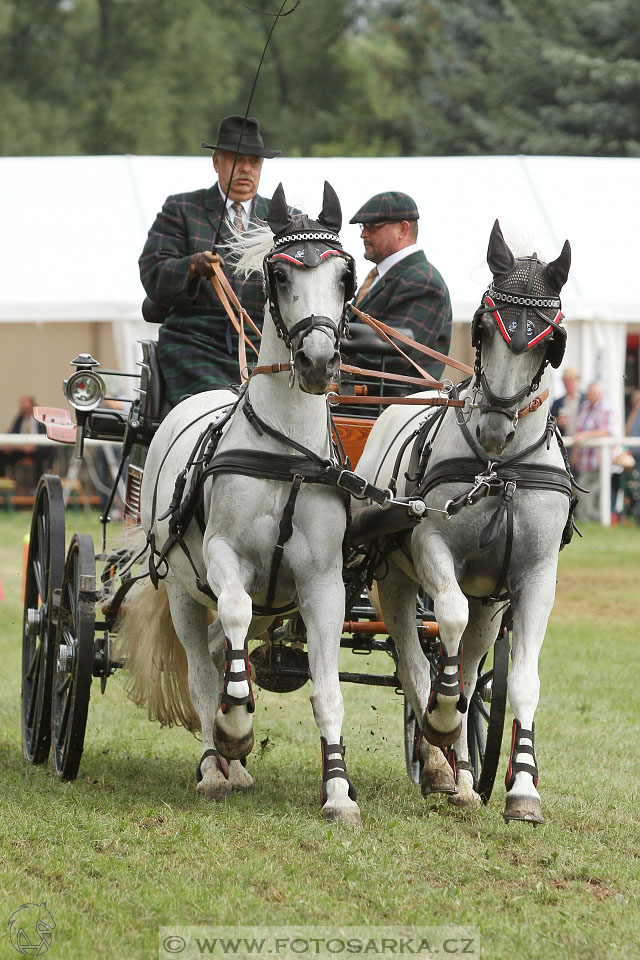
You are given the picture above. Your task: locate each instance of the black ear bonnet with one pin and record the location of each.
(523, 299)
(305, 242)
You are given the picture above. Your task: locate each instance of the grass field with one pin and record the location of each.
(129, 847)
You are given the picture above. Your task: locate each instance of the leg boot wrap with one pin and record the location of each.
(333, 767)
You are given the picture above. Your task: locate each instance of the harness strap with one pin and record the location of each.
(284, 534)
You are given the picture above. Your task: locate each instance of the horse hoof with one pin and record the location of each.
(240, 778)
(528, 809)
(349, 816)
(215, 787)
(231, 748)
(437, 780)
(439, 738)
(466, 801)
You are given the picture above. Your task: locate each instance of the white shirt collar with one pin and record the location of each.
(391, 261)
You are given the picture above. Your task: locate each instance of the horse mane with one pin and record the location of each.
(248, 248)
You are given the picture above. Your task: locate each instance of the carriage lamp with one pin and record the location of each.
(85, 389)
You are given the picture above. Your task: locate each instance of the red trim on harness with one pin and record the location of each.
(503, 329)
(299, 263)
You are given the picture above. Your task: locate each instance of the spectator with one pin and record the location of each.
(594, 420)
(565, 409)
(29, 461)
(632, 429)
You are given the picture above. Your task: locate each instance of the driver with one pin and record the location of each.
(197, 346)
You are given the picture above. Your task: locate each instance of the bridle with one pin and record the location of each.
(520, 335)
(288, 248)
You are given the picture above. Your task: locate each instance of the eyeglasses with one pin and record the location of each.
(374, 227)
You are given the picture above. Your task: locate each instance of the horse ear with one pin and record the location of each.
(331, 215)
(557, 271)
(499, 257)
(278, 216)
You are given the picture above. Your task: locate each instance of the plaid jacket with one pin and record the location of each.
(197, 346)
(596, 417)
(412, 295)
(187, 224)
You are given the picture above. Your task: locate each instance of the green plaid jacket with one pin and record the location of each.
(197, 347)
(412, 295)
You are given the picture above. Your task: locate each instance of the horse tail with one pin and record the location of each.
(156, 660)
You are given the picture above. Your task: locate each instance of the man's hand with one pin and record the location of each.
(202, 264)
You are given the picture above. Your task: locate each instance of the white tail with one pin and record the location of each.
(156, 659)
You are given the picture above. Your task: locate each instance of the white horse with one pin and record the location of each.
(262, 487)
(504, 545)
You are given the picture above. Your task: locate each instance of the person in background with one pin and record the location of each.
(594, 420)
(565, 409)
(632, 429)
(403, 290)
(197, 346)
(30, 460)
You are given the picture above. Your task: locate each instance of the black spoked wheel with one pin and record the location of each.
(412, 732)
(485, 723)
(74, 655)
(43, 579)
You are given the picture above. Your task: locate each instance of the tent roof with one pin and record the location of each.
(74, 226)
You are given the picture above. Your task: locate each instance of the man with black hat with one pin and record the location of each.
(403, 289)
(197, 346)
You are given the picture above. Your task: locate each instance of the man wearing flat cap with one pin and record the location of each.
(403, 289)
(197, 346)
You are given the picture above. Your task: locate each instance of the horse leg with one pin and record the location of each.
(477, 639)
(441, 722)
(239, 777)
(531, 611)
(322, 609)
(398, 595)
(190, 622)
(234, 723)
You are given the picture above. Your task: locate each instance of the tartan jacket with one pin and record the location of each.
(187, 224)
(412, 294)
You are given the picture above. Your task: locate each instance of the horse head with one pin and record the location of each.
(309, 279)
(517, 330)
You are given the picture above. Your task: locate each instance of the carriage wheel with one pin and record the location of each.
(485, 723)
(43, 579)
(412, 756)
(74, 655)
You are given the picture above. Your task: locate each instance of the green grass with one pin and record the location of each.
(129, 847)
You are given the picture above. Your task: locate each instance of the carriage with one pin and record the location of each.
(72, 612)
(72, 603)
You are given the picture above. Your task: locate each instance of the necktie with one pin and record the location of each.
(238, 220)
(364, 289)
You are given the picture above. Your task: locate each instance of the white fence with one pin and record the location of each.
(606, 443)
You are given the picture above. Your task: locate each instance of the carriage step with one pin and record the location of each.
(428, 628)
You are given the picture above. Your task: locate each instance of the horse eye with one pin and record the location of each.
(279, 276)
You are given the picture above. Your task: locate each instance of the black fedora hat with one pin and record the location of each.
(229, 134)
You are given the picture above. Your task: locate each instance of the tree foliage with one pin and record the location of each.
(340, 77)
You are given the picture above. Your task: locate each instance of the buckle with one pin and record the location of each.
(353, 484)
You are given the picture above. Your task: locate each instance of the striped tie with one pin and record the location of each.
(364, 289)
(238, 220)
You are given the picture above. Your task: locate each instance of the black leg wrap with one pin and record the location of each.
(228, 700)
(447, 684)
(334, 767)
(517, 735)
(222, 763)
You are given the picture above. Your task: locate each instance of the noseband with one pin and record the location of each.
(307, 254)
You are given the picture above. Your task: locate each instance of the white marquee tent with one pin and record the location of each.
(73, 228)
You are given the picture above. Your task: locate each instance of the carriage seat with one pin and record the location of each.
(363, 339)
(154, 405)
(154, 312)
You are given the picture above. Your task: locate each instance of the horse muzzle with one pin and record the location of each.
(316, 369)
(496, 429)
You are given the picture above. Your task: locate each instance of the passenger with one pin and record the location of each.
(197, 346)
(403, 289)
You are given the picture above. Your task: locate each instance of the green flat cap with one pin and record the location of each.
(387, 206)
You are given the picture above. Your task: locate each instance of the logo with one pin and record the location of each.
(30, 929)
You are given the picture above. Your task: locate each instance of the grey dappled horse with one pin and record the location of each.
(499, 472)
(258, 481)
